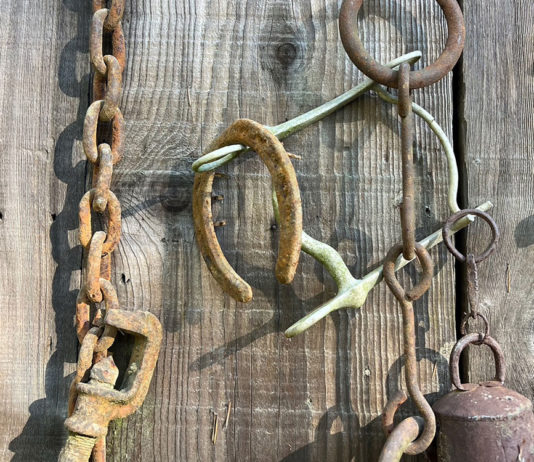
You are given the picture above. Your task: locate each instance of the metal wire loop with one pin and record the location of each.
(465, 322)
(479, 213)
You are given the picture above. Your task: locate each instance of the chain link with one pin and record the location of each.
(472, 262)
(409, 249)
(94, 336)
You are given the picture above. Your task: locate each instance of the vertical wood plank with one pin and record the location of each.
(43, 96)
(497, 130)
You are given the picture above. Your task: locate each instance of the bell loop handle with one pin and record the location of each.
(475, 339)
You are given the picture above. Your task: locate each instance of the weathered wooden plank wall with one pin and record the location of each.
(496, 139)
(43, 97)
(192, 68)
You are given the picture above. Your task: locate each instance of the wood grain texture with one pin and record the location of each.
(498, 135)
(43, 96)
(192, 68)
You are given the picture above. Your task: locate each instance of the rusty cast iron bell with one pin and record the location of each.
(483, 422)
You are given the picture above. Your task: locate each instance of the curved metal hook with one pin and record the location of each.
(221, 156)
(273, 154)
(405, 299)
(353, 292)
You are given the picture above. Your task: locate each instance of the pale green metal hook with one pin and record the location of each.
(443, 139)
(215, 159)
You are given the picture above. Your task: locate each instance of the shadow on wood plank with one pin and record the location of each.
(43, 434)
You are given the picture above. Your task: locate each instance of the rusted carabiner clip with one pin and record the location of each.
(98, 402)
(273, 154)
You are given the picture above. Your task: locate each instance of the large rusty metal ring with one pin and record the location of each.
(391, 279)
(284, 179)
(348, 30)
(474, 339)
(114, 221)
(463, 213)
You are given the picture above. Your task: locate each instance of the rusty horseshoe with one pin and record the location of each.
(273, 154)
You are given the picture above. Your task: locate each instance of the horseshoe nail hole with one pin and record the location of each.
(54, 216)
(124, 279)
(274, 227)
(427, 211)
(1, 216)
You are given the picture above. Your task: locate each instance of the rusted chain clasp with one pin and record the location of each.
(97, 402)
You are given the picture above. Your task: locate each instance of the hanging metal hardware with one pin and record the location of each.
(97, 402)
(409, 249)
(485, 421)
(93, 400)
(405, 80)
(414, 434)
(351, 292)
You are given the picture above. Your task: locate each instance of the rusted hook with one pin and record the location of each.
(273, 154)
(405, 298)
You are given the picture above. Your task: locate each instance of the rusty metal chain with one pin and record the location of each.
(410, 249)
(93, 401)
(472, 262)
(411, 436)
(103, 154)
